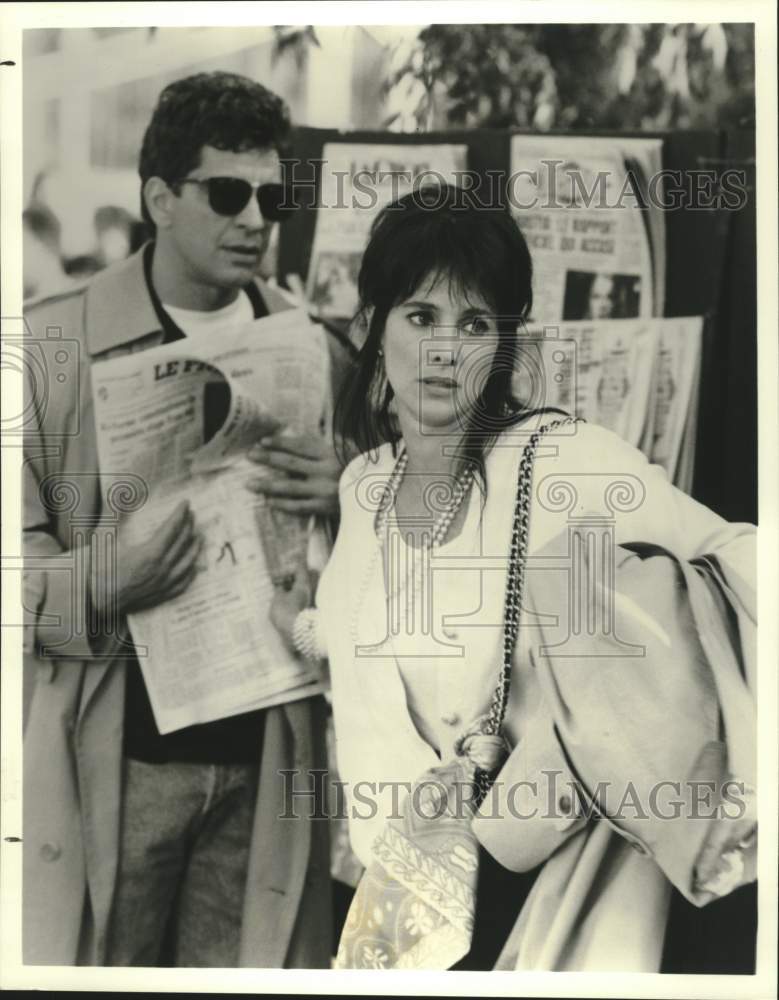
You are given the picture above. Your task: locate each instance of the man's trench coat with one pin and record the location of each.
(74, 697)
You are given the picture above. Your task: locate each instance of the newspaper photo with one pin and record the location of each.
(636, 377)
(357, 181)
(579, 209)
(182, 417)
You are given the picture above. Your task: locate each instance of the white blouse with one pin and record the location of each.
(408, 676)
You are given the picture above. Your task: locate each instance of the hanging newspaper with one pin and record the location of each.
(677, 384)
(182, 417)
(357, 181)
(643, 160)
(637, 377)
(581, 213)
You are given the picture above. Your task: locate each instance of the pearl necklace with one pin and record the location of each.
(437, 535)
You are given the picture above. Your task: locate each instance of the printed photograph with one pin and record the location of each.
(590, 295)
(387, 579)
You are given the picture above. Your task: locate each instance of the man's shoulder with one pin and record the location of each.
(68, 298)
(74, 296)
(276, 298)
(55, 321)
(110, 310)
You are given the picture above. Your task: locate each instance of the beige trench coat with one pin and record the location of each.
(74, 695)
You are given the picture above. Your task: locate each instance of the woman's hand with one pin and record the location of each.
(289, 601)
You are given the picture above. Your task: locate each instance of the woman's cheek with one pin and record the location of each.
(475, 370)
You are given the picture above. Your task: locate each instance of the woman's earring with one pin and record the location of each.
(380, 353)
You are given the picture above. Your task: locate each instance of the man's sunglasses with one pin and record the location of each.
(230, 196)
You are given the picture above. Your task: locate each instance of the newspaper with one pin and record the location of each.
(601, 371)
(637, 377)
(578, 208)
(684, 475)
(676, 396)
(644, 162)
(182, 417)
(357, 181)
(645, 158)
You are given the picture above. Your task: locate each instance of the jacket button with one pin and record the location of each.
(565, 814)
(50, 852)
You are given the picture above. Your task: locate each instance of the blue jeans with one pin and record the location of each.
(183, 858)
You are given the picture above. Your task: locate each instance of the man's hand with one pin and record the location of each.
(152, 572)
(305, 474)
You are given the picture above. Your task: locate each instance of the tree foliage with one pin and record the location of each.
(575, 76)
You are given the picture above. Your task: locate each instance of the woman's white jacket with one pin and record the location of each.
(631, 683)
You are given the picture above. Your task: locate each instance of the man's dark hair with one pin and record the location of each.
(223, 110)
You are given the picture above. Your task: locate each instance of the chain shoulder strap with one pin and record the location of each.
(515, 583)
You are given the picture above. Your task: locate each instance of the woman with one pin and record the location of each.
(411, 612)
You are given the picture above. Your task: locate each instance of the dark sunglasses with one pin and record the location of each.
(231, 195)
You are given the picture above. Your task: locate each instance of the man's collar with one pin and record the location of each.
(122, 306)
(170, 330)
(118, 308)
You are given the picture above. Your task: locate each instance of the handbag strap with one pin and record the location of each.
(515, 583)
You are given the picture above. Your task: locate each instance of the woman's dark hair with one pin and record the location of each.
(223, 110)
(437, 233)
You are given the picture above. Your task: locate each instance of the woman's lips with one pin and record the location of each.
(439, 382)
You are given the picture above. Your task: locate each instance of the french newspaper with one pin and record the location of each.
(182, 417)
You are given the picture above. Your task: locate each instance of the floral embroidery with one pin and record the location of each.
(374, 958)
(419, 922)
(464, 858)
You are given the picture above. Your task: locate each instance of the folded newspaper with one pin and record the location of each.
(182, 417)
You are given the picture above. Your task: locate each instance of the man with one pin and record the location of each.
(141, 848)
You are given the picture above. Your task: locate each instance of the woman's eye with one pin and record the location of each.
(420, 318)
(476, 326)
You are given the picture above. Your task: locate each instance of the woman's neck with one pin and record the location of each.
(431, 454)
(432, 462)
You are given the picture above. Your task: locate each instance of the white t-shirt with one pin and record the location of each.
(195, 321)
